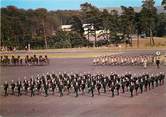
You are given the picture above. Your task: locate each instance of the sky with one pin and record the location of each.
(71, 4)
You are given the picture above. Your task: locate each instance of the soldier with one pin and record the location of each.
(6, 88)
(127, 83)
(104, 85)
(131, 88)
(163, 78)
(149, 82)
(60, 87)
(32, 89)
(68, 86)
(88, 84)
(98, 86)
(123, 85)
(117, 87)
(112, 89)
(141, 85)
(158, 63)
(46, 87)
(83, 87)
(156, 80)
(38, 86)
(146, 83)
(25, 83)
(19, 87)
(53, 86)
(76, 88)
(159, 78)
(152, 81)
(136, 86)
(145, 63)
(91, 88)
(12, 87)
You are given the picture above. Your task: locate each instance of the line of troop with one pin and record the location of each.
(84, 84)
(123, 60)
(27, 60)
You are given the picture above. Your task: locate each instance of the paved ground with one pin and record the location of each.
(148, 104)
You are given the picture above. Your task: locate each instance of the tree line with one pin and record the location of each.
(41, 28)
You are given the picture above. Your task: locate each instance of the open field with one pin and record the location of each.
(92, 52)
(148, 104)
(145, 42)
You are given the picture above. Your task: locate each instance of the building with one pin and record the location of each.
(66, 28)
(87, 28)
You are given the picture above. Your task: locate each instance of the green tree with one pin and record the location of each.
(161, 25)
(164, 4)
(91, 15)
(105, 16)
(77, 25)
(148, 18)
(42, 14)
(138, 28)
(127, 22)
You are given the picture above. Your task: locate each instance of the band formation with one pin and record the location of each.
(84, 84)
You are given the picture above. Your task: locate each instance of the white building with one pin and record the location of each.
(66, 28)
(87, 28)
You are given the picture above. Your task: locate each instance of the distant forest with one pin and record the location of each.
(41, 28)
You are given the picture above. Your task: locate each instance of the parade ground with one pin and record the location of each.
(149, 104)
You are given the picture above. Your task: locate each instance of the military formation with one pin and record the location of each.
(84, 84)
(121, 60)
(27, 60)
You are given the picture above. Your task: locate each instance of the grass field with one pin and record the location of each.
(160, 44)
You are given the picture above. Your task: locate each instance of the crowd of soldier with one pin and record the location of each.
(82, 84)
(123, 60)
(28, 60)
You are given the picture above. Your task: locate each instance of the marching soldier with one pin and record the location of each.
(76, 88)
(60, 87)
(156, 80)
(149, 82)
(123, 85)
(83, 87)
(38, 86)
(19, 87)
(163, 78)
(152, 81)
(32, 89)
(112, 89)
(79, 83)
(12, 87)
(46, 87)
(6, 85)
(104, 85)
(98, 86)
(25, 84)
(136, 86)
(68, 86)
(53, 86)
(92, 87)
(131, 88)
(141, 85)
(146, 83)
(145, 63)
(117, 87)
